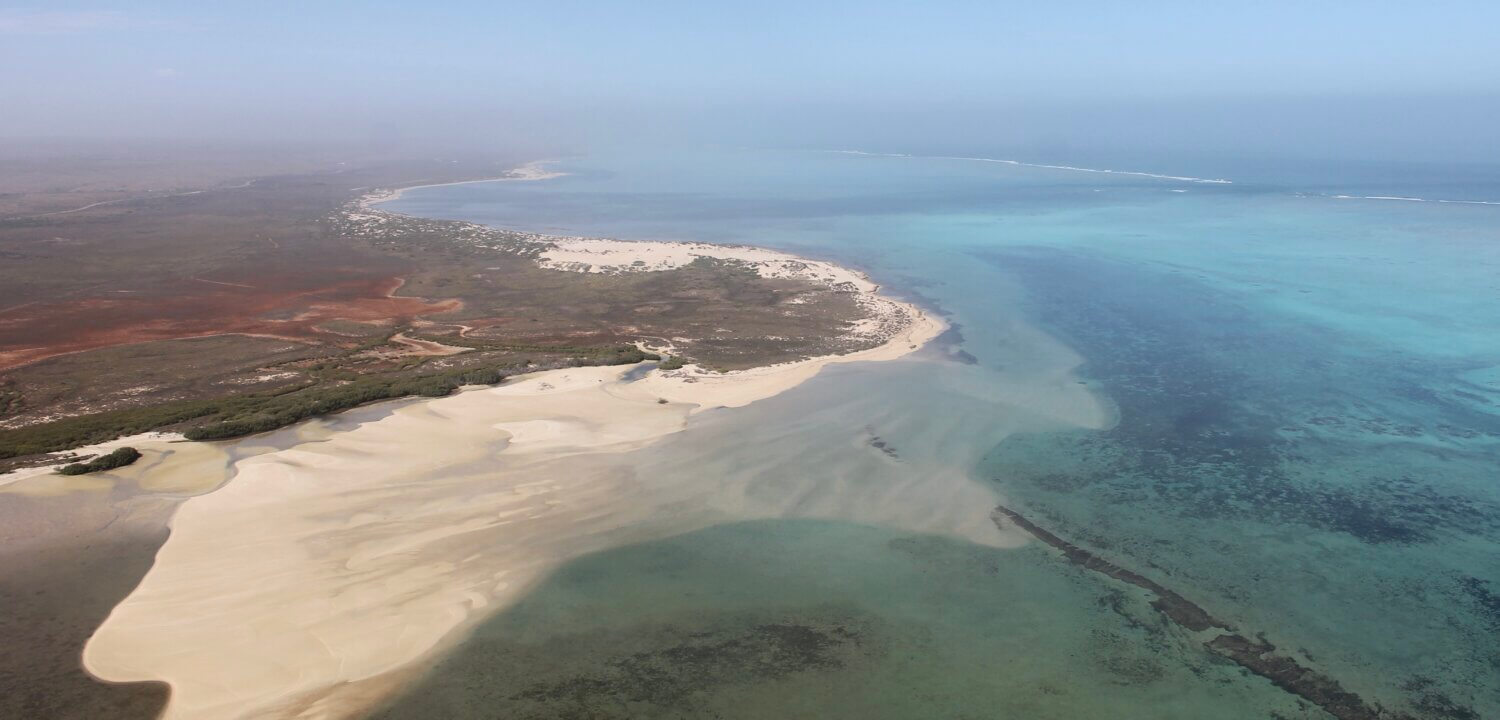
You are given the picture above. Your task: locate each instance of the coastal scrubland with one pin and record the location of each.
(235, 298)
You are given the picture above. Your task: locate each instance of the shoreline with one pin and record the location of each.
(896, 327)
(364, 554)
(529, 172)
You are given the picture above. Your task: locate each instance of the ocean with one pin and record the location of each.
(1276, 397)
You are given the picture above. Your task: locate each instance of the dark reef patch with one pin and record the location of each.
(951, 343)
(881, 444)
(668, 675)
(1181, 610)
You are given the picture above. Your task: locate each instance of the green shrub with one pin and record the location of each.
(290, 408)
(119, 458)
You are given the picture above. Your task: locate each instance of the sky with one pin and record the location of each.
(1405, 79)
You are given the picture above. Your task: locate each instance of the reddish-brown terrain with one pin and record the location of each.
(283, 305)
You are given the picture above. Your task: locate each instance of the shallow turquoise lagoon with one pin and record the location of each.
(1308, 446)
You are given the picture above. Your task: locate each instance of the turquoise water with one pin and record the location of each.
(1308, 446)
(785, 619)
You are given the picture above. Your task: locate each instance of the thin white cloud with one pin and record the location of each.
(55, 22)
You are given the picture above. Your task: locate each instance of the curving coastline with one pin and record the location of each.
(534, 170)
(323, 574)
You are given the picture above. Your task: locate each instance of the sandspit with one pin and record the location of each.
(324, 573)
(534, 170)
(321, 574)
(890, 328)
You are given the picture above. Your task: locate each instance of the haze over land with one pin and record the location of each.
(676, 359)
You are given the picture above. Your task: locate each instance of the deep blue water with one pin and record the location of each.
(1308, 443)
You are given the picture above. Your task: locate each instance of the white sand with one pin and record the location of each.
(707, 389)
(308, 585)
(339, 561)
(312, 581)
(892, 328)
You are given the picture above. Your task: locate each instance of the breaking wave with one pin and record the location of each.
(1018, 163)
(1414, 199)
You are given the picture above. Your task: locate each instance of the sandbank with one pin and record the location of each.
(324, 573)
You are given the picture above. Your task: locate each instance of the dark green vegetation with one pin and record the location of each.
(673, 363)
(733, 318)
(161, 372)
(119, 457)
(282, 410)
(326, 389)
(1246, 441)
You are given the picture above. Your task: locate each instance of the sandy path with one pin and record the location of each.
(427, 347)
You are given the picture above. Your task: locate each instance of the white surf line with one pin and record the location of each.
(1182, 178)
(1018, 163)
(1414, 199)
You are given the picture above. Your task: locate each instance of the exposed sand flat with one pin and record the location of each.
(307, 585)
(338, 561)
(327, 573)
(321, 572)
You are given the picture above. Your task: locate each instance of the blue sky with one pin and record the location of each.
(192, 67)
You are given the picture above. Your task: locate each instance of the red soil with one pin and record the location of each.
(286, 306)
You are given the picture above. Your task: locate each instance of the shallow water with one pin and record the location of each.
(778, 619)
(1308, 401)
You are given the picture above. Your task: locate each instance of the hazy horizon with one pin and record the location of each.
(1338, 81)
